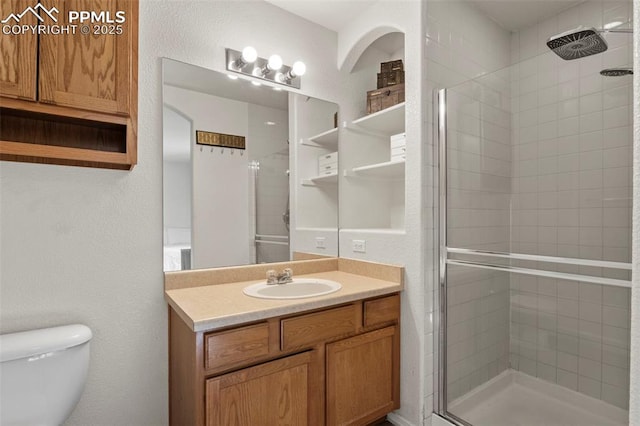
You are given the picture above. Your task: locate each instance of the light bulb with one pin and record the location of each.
(275, 62)
(249, 55)
(298, 68)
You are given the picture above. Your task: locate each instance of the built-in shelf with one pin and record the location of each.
(311, 229)
(389, 169)
(389, 121)
(388, 231)
(320, 180)
(328, 139)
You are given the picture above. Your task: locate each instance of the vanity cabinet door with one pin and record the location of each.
(273, 393)
(19, 53)
(363, 382)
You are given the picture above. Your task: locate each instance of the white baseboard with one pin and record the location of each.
(398, 420)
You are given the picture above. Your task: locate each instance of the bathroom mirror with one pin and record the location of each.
(249, 171)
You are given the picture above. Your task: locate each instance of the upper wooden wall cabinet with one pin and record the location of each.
(70, 98)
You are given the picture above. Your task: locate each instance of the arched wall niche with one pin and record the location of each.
(381, 37)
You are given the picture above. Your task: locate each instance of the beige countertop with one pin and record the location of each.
(205, 307)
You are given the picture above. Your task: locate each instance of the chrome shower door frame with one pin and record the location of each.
(442, 259)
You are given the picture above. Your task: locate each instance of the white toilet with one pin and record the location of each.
(42, 374)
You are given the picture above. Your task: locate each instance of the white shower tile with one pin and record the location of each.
(616, 97)
(616, 356)
(617, 117)
(591, 103)
(589, 386)
(591, 292)
(568, 145)
(616, 395)
(590, 330)
(568, 108)
(615, 317)
(591, 141)
(567, 379)
(569, 89)
(568, 344)
(589, 368)
(616, 296)
(567, 362)
(590, 311)
(615, 376)
(617, 137)
(568, 126)
(546, 372)
(590, 350)
(590, 84)
(591, 122)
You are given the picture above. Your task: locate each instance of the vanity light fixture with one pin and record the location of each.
(246, 57)
(272, 69)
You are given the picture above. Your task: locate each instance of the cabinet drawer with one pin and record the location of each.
(230, 347)
(306, 330)
(380, 311)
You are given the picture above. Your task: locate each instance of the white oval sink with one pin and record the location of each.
(298, 289)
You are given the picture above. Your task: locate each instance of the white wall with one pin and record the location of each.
(177, 178)
(403, 248)
(220, 198)
(85, 245)
(634, 403)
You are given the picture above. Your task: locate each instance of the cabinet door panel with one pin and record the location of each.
(274, 393)
(362, 377)
(89, 71)
(18, 59)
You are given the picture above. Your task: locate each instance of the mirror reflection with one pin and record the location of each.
(242, 182)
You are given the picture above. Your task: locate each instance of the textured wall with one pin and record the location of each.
(634, 404)
(85, 245)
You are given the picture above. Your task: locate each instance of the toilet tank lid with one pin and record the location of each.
(35, 342)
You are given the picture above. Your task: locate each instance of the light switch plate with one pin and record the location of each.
(359, 246)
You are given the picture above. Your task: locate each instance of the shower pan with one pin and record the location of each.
(533, 261)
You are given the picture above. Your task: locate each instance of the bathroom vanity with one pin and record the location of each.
(331, 359)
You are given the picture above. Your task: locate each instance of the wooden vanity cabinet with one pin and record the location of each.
(71, 98)
(333, 366)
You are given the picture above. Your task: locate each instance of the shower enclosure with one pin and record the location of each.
(270, 207)
(534, 246)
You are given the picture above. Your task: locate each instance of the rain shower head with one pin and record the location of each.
(577, 43)
(616, 72)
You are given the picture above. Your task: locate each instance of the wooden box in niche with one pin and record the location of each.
(380, 99)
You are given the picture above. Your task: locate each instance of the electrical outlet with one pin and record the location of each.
(320, 242)
(359, 246)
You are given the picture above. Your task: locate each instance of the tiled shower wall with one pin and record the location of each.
(571, 162)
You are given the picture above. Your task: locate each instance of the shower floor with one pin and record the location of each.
(516, 399)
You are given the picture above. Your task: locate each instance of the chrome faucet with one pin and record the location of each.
(286, 276)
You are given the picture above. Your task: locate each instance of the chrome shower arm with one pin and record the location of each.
(621, 30)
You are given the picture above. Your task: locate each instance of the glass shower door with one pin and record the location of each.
(271, 207)
(533, 260)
